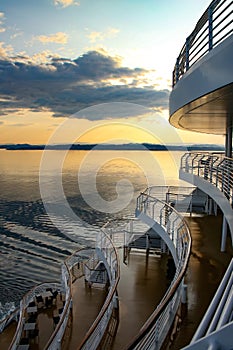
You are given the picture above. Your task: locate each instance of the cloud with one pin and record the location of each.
(58, 38)
(2, 18)
(5, 51)
(95, 36)
(66, 3)
(66, 86)
(16, 35)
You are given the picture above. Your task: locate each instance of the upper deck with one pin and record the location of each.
(203, 75)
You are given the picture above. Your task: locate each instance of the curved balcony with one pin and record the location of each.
(201, 101)
(213, 174)
(50, 298)
(35, 299)
(172, 228)
(203, 74)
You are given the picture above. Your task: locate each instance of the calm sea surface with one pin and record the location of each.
(37, 232)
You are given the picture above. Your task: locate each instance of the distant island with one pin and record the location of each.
(118, 147)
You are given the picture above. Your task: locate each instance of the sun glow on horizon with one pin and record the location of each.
(49, 74)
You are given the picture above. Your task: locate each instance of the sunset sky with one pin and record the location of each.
(59, 57)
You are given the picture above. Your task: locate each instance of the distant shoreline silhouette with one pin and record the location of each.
(118, 147)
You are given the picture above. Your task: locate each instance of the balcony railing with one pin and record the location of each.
(80, 263)
(107, 253)
(217, 325)
(29, 297)
(215, 25)
(213, 167)
(154, 331)
(215, 330)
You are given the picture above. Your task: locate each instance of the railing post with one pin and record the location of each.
(224, 235)
(157, 329)
(187, 53)
(59, 344)
(177, 75)
(184, 294)
(210, 21)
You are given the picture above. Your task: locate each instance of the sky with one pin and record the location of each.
(73, 59)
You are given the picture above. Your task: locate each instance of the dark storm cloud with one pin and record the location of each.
(66, 86)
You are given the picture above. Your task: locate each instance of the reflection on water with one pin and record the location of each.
(30, 242)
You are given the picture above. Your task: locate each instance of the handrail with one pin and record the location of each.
(98, 328)
(214, 168)
(123, 233)
(38, 289)
(13, 315)
(149, 330)
(214, 26)
(110, 255)
(56, 336)
(23, 304)
(215, 309)
(216, 325)
(77, 258)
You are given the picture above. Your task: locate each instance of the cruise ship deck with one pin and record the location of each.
(138, 293)
(193, 307)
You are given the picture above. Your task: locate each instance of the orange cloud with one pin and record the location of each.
(58, 38)
(95, 36)
(65, 3)
(5, 51)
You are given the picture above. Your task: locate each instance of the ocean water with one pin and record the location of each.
(52, 204)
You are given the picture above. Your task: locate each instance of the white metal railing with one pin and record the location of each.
(213, 167)
(155, 330)
(125, 231)
(163, 192)
(65, 287)
(215, 329)
(215, 25)
(37, 290)
(12, 316)
(108, 255)
(55, 340)
(185, 199)
(168, 218)
(75, 267)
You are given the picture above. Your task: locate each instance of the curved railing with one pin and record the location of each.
(213, 167)
(215, 25)
(82, 262)
(107, 253)
(29, 297)
(12, 316)
(125, 231)
(217, 324)
(56, 337)
(75, 266)
(168, 218)
(67, 275)
(158, 325)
